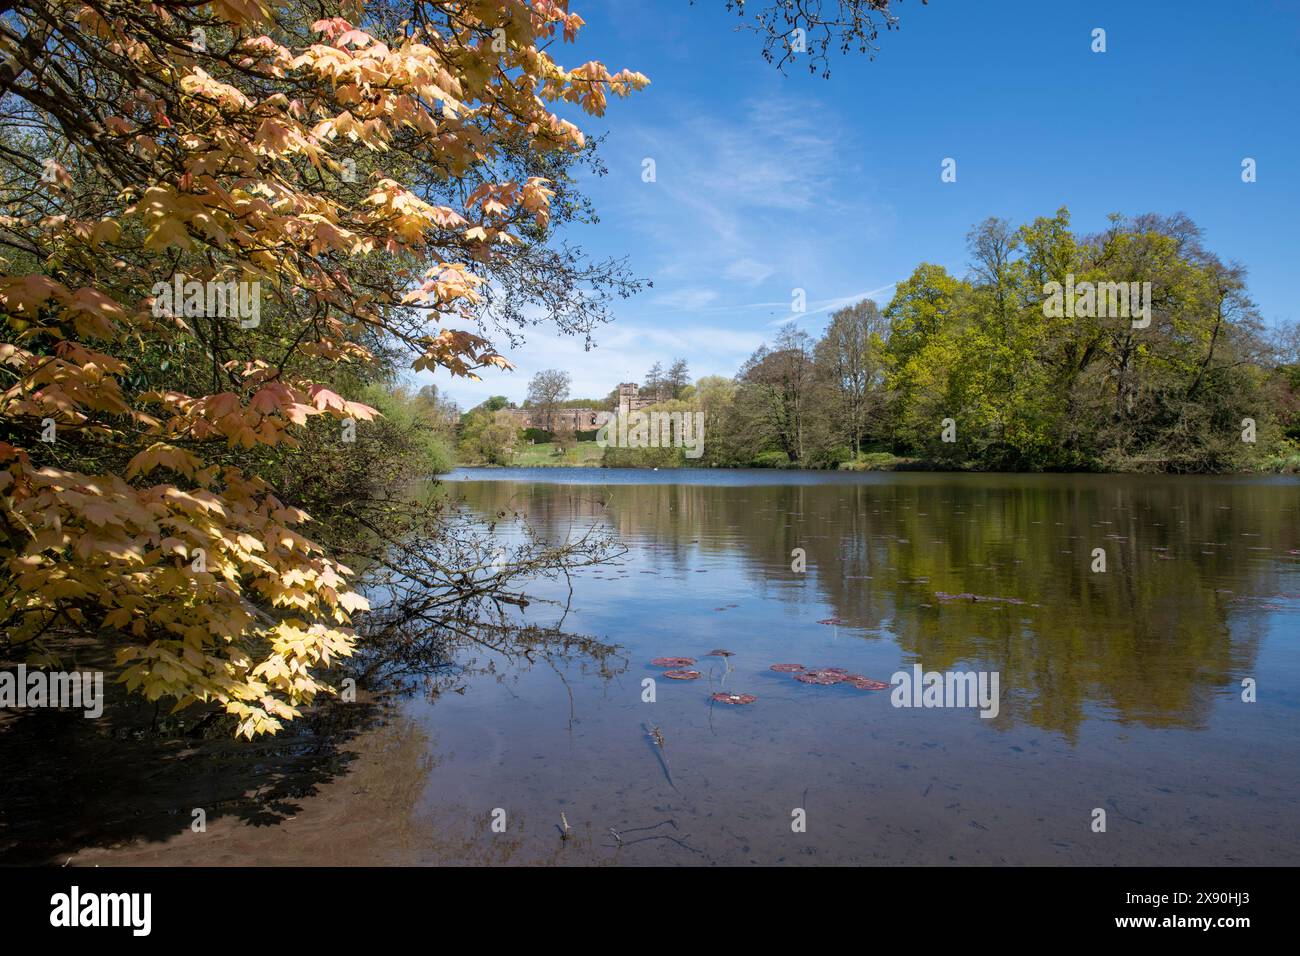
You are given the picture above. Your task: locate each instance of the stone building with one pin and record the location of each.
(631, 398)
(562, 419)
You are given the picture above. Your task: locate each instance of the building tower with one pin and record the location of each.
(627, 393)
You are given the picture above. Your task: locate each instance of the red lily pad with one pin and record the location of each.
(682, 675)
(821, 676)
(734, 698)
(787, 668)
(865, 683)
(672, 661)
(719, 652)
(831, 620)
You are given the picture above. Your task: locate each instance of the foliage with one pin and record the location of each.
(643, 457)
(849, 362)
(1029, 390)
(873, 461)
(546, 391)
(1024, 386)
(488, 437)
(375, 174)
(424, 432)
(771, 459)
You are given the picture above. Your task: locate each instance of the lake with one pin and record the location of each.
(1120, 691)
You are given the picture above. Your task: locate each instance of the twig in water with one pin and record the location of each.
(657, 738)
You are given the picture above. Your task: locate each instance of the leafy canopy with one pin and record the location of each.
(342, 162)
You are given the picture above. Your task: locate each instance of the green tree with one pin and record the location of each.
(774, 394)
(850, 365)
(547, 392)
(677, 378)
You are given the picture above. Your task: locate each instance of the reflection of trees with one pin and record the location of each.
(454, 590)
(1149, 640)
(435, 661)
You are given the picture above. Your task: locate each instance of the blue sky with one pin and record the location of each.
(767, 183)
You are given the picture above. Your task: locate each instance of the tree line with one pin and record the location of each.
(988, 371)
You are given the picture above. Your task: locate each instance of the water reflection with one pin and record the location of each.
(1196, 571)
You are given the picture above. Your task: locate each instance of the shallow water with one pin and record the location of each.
(1120, 690)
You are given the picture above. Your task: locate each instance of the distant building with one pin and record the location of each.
(562, 419)
(631, 398)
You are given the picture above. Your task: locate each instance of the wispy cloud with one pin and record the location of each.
(685, 298)
(827, 305)
(743, 208)
(744, 200)
(748, 270)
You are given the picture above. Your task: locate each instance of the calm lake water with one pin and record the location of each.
(1119, 691)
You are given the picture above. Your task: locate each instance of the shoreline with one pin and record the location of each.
(928, 468)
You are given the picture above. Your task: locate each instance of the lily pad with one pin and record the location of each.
(865, 683)
(787, 668)
(682, 675)
(821, 676)
(672, 662)
(734, 698)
